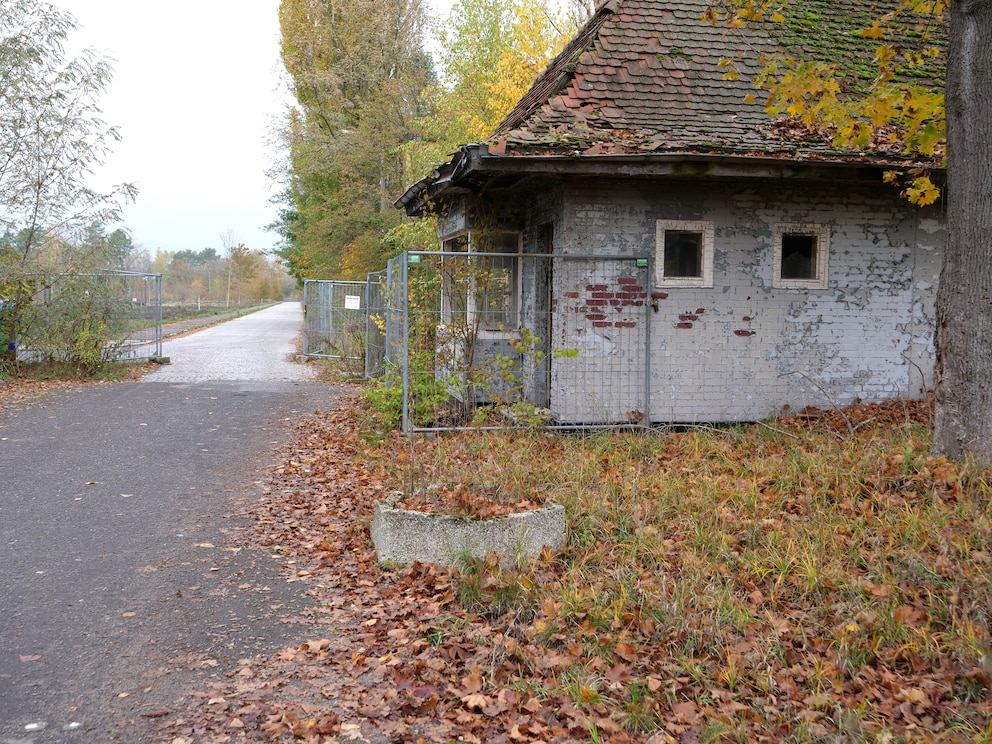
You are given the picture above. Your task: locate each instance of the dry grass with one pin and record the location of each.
(783, 581)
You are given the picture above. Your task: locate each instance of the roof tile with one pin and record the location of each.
(646, 77)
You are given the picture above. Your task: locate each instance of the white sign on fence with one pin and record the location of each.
(352, 302)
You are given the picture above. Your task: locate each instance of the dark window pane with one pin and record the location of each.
(798, 256)
(683, 254)
(456, 244)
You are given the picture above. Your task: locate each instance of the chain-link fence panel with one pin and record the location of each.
(335, 315)
(509, 339)
(83, 319)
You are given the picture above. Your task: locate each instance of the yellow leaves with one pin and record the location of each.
(874, 31)
(875, 107)
(491, 57)
(922, 191)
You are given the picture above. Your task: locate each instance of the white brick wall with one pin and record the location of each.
(753, 349)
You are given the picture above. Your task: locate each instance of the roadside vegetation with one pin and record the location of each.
(813, 578)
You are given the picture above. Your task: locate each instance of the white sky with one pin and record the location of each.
(196, 94)
(197, 91)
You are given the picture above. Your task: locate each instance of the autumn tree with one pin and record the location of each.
(357, 69)
(371, 115)
(51, 131)
(895, 106)
(53, 138)
(491, 52)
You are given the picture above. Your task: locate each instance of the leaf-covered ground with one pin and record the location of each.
(819, 578)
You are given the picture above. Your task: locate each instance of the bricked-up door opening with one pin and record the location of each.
(601, 335)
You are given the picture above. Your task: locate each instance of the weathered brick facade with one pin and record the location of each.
(740, 350)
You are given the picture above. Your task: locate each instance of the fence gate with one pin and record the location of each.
(334, 319)
(495, 339)
(139, 312)
(120, 310)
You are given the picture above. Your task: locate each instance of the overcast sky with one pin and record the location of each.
(196, 94)
(198, 88)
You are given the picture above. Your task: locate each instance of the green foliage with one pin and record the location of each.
(53, 137)
(51, 221)
(196, 258)
(491, 52)
(73, 323)
(862, 78)
(385, 396)
(372, 116)
(358, 71)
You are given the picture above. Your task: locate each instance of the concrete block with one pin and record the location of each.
(406, 536)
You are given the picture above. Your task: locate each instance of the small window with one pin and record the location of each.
(481, 288)
(801, 256)
(684, 255)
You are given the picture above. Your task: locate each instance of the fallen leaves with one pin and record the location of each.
(671, 614)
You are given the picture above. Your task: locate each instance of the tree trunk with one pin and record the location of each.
(963, 422)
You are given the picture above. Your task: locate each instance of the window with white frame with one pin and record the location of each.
(684, 253)
(802, 253)
(482, 288)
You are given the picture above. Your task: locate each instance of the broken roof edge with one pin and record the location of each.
(559, 70)
(430, 191)
(416, 198)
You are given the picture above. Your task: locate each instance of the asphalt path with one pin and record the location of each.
(124, 582)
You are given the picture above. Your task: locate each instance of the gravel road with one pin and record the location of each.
(123, 580)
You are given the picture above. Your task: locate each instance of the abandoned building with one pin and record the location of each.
(680, 255)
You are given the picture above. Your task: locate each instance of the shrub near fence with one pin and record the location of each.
(86, 320)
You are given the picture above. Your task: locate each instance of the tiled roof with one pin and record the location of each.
(640, 89)
(645, 76)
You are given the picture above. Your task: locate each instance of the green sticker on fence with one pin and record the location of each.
(413, 259)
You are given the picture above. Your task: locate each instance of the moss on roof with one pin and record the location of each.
(646, 76)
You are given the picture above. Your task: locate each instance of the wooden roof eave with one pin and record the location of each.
(690, 164)
(474, 162)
